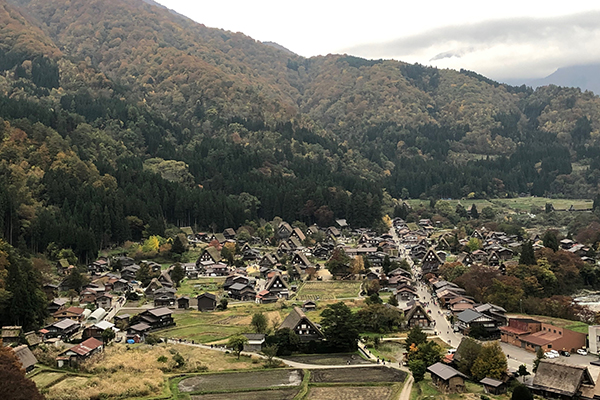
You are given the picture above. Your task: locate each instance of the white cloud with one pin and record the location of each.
(499, 40)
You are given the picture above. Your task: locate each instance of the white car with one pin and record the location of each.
(550, 355)
(554, 352)
(582, 352)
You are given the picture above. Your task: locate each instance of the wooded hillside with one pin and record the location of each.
(119, 117)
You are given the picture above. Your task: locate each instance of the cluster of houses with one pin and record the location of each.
(21, 344)
(497, 248)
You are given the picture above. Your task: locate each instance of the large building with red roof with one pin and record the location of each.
(531, 335)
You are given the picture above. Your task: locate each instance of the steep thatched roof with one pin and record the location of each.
(295, 317)
(559, 378)
(25, 356)
(416, 306)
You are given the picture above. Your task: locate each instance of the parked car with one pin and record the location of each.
(564, 353)
(582, 352)
(550, 355)
(554, 352)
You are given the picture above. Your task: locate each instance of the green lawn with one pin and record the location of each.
(576, 326)
(580, 327)
(207, 327)
(389, 351)
(202, 333)
(424, 389)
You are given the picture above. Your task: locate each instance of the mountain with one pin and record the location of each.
(121, 119)
(585, 77)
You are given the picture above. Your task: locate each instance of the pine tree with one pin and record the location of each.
(178, 246)
(474, 213)
(415, 336)
(527, 254)
(550, 240)
(393, 301)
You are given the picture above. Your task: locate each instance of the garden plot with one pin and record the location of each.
(329, 359)
(354, 393)
(280, 394)
(240, 381)
(356, 375)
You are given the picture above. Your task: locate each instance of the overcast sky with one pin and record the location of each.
(502, 40)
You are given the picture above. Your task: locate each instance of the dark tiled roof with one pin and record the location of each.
(159, 312)
(208, 296)
(444, 371)
(491, 382)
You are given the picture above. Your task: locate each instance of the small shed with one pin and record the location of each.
(207, 302)
(446, 378)
(183, 302)
(255, 342)
(309, 305)
(493, 386)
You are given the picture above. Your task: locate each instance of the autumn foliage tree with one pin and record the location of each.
(14, 385)
(491, 362)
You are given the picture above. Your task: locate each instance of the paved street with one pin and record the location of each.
(442, 327)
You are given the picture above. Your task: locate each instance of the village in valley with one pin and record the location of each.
(309, 312)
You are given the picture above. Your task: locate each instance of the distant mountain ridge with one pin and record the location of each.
(584, 77)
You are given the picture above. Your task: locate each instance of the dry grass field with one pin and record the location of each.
(135, 371)
(328, 290)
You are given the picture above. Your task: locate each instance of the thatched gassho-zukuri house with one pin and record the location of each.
(566, 381)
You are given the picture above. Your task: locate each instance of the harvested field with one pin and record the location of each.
(280, 394)
(354, 393)
(44, 379)
(328, 290)
(240, 381)
(355, 375)
(330, 359)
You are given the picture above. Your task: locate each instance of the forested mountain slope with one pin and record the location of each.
(120, 117)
